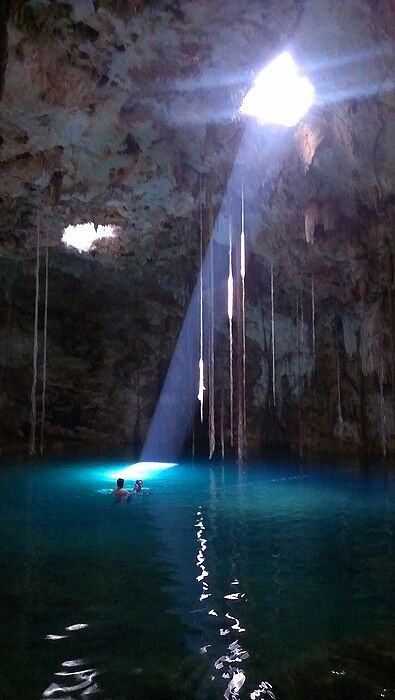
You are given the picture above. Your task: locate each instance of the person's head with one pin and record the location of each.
(120, 483)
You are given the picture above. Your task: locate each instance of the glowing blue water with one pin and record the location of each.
(215, 573)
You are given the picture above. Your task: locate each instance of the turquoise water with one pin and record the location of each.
(277, 578)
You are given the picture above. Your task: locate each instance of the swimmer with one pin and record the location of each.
(120, 493)
(138, 486)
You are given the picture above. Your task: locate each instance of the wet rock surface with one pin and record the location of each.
(122, 113)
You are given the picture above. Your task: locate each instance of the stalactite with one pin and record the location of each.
(212, 349)
(311, 221)
(273, 337)
(44, 382)
(202, 388)
(230, 317)
(32, 444)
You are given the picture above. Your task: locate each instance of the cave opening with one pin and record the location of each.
(83, 236)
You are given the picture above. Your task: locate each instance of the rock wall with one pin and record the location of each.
(108, 340)
(126, 114)
(111, 336)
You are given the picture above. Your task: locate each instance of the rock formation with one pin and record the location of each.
(121, 113)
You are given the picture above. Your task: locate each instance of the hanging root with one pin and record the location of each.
(230, 316)
(313, 324)
(243, 274)
(32, 443)
(44, 384)
(273, 337)
(211, 362)
(201, 362)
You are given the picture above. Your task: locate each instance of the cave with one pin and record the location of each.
(197, 290)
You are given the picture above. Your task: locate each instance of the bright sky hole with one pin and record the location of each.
(141, 470)
(279, 94)
(82, 236)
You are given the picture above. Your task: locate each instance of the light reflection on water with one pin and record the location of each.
(74, 680)
(218, 579)
(80, 683)
(227, 670)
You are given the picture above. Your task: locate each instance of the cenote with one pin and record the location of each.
(197, 272)
(279, 574)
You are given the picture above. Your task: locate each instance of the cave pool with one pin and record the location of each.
(271, 580)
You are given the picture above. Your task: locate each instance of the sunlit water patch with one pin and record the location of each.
(215, 581)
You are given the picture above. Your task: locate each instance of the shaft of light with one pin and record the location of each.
(175, 408)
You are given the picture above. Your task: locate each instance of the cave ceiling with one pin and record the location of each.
(117, 112)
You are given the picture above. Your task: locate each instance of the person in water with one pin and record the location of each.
(122, 494)
(138, 486)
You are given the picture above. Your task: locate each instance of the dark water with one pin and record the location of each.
(280, 580)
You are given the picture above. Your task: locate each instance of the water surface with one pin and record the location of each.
(275, 578)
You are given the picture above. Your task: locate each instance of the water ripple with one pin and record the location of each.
(228, 665)
(76, 683)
